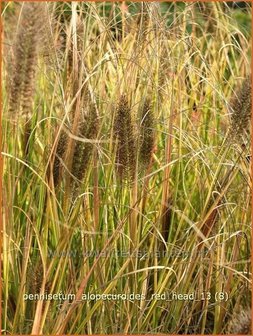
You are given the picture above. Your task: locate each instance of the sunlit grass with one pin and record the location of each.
(185, 214)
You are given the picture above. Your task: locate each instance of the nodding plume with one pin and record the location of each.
(147, 137)
(240, 109)
(123, 135)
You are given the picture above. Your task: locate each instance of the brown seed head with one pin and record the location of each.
(123, 135)
(59, 156)
(240, 108)
(88, 129)
(240, 324)
(147, 138)
(25, 52)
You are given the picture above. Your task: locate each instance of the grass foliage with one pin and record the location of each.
(122, 169)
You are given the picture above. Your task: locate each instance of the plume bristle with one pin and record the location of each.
(240, 109)
(88, 129)
(123, 135)
(147, 133)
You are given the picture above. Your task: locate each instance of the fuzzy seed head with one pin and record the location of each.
(124, 138)
(147, 138)
(88, 129)
(240, 109)
(35, 276)
(60, 153)
(25, 59)
(240, 324)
